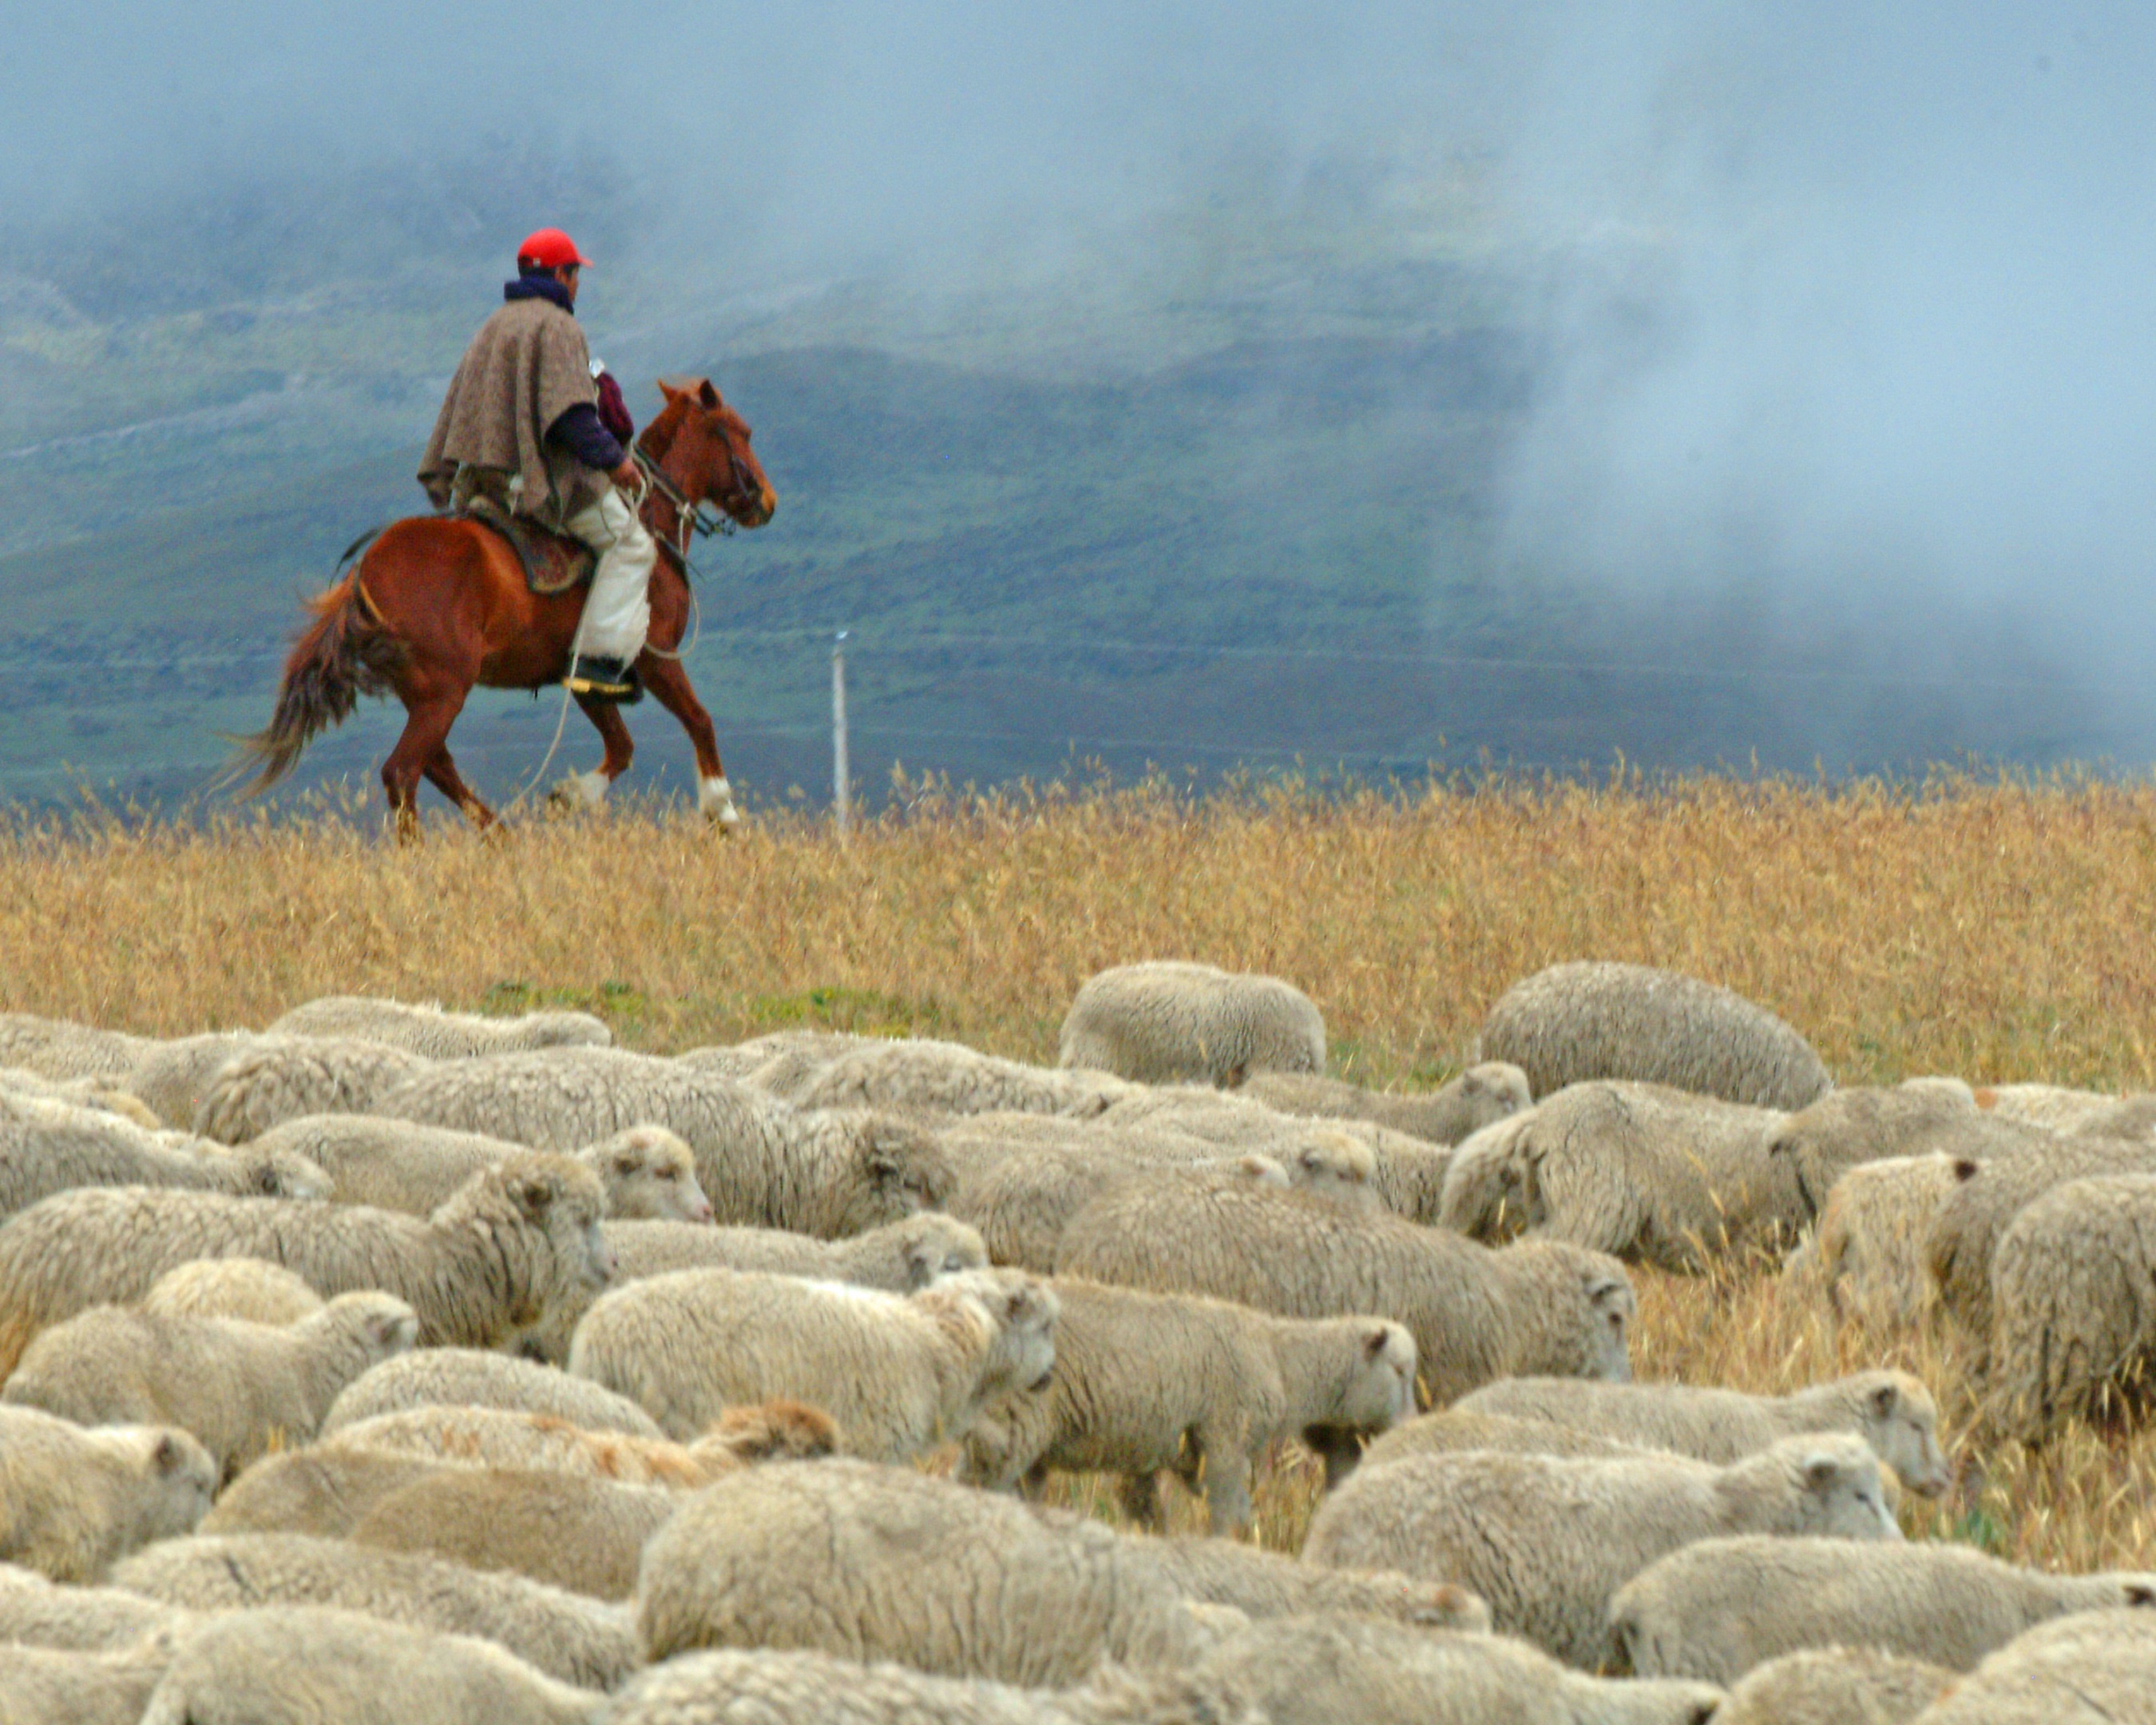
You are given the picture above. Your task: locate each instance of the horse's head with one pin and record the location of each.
(705, 445)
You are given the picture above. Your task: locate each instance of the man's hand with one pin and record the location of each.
(628, 476)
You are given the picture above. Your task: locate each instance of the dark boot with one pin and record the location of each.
(604, 680)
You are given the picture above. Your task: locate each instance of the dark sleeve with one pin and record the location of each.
(614, 411)
(579, 431)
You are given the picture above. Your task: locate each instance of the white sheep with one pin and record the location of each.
(48, 1146)
(1266, 1584)
(569, 1636)
(60, 1048)
(45, 1686)
(918, 1075)
(1714, 1610)
(238, 1388)
(1168, 1023)
(2092, 1668)
(1476, 1313)
(648, 1173)
(869, 1562)
(73, 1500)
(472, 1378)
(2050, 1107)
(1640, 1171)
(103, 1094)
(1865, 1123)
(1573, 1023)
(1449, 1430)
(900, 1373)
(437, 1034)
(1834, 1686)
(37, 1612)
(251, 1289)
(1891, 1410)
(171, 1076)
(1868, 1254)
(513, 1240)
(1547, 1539)
(501, 1437)
(1464, 1104)
(2072, 1334)
(1147, 1382)
(760, 1686)
(273, 1079)
(786, 1055)
(281, 1664)
(1330, 1669)
(762, 1163)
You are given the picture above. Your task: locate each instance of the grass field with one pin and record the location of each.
(1992, 928)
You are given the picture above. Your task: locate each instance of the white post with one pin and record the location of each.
(841, 779)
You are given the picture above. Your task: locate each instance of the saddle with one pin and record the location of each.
(553, 562)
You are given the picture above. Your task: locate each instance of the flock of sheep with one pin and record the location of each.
(393, 1365)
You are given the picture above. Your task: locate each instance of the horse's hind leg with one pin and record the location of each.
(668, 684)
(587, 790)
(426, 729)
(442, 773)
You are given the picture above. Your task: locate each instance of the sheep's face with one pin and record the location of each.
(1609, 1347)
(383, 1325)
(183, 1480)
(651, 1176)
(903, 1171)
(1026, 1311)
(1381, 1392)
(1493, 1090)
(1333, 1165)
(1901, 1424)
(941, 1246)
(1845, 1493)
(286, 1174)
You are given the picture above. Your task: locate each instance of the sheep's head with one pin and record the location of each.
(553, 1195)
(1494, 1090)
(281, 1173)
(902, 1169)
(1336, 1165)
(1492, 1185)
(936, 1245)
(566, 1030)
(383, 1325)
(649, 1174)
(183, 1477)
(1023, 1311)
(1844, 1492)
(1380, 1390)
(1572, 1310)
(1900, 1421)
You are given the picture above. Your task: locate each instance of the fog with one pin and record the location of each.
(1841, 313)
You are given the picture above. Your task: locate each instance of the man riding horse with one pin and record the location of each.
(522, 424)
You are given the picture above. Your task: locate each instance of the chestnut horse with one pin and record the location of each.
(439, 605)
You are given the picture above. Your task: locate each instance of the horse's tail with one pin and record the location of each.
(346, 652)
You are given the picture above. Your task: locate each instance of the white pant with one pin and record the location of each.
(617, 610)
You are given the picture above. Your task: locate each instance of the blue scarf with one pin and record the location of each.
(538, 287)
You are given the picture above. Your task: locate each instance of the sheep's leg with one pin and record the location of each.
(1032, 1485)
(1340, 1450)
(1140, 1497)
(1228, 1493)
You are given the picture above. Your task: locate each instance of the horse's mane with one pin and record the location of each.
(659, 434)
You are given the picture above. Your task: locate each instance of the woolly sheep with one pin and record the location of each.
(1452, 1429)
(1869, 1256)
(2135, 1117)
(273, 1079)
(1640, 1171)
(1989, 1195)
(59, 1048)
(1714, 1610)
(238, 1388)
(500, 1437)
(564, 1529)
(470, 1378)
(2050, 1107)
(43, 1686)
(2092, 1668)
(72, 1499)
(1326, 1670)
(870, 1562)
(1407, 1174)
(1847, 1128)
(1144, 1383)
(513, 1240)
(1483, 1093)
(1891, 1410)
(1547, 1539)
(899, 1257)
(37, 1612)
(171, 1076)
(762, 1163)
(1834, 1685)
(900, 1373)
(1474, 1313)
(2072, 1331)
(800, 1051)
(1265, 1583)
(761, 1687)
(1575, 1022)
(323, 1490)
(647, 1171)
(569, 1636)
(917, 1076)
(436, 1035)
(48, 1146)
(101, 1094)
(250, 1289)
(1167, 1023)
(293, 1665)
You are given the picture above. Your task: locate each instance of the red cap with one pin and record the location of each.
(550, 248)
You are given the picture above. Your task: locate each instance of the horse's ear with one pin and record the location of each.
(707, 395)
(667, 389)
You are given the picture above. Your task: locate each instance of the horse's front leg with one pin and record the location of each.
(669, 684)
(587, 790)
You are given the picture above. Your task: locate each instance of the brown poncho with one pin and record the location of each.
(525, 367)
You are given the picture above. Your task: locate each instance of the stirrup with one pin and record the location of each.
(604, 680)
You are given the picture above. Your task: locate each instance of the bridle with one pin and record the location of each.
(690, 520)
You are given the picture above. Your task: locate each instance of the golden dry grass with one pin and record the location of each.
(1993, 929)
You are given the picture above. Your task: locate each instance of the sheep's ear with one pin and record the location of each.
(1374, 1344)
(1820, 1472)
(1235, 1076)
(1884, 1400)
(265, 1179)
(2140, 1593)
(168, 1457)
(628, 1160)
(1965, 1168)
(534, 1194)
(1606, 1292)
